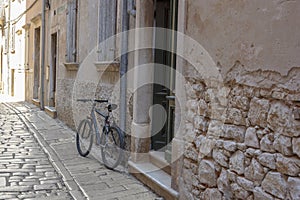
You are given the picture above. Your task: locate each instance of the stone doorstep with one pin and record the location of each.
(36, 102)
(155, 178)
(157, 158)
(51, 111)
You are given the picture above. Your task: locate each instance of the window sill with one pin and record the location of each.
(107, 66)
(72, 66)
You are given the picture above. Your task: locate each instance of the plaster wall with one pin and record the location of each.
(33, 13)
(261, 34)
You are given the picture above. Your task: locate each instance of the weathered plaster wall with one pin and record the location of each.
(242, 133)
(29, 76)
(261, 34)
(57, 23)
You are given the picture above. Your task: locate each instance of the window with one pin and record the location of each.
(106, 29)
(71, 31)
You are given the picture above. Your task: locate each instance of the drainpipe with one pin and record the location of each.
(124, 65)
(42, 91)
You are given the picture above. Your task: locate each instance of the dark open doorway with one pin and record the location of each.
(53, 66)
(37, 53)
(164, 73)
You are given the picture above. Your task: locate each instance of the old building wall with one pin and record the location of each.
(96, 77)
(57, 25)
(242, 131)
(31, 24)
(17, 43)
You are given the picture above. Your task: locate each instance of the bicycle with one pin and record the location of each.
(111, 140)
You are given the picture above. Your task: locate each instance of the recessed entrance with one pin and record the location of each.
(53, 66)
(37, 53)
(164, 77)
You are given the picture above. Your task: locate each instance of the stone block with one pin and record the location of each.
(240, 102)
(245, 184)
(235, 116)
(288, 166)
(200, 123)
(220, 158)
(283, 144)
(212, 194)
(251, 139)
(224, 184)
(296, 146)
(217, 112)
(275, 184)
(241, 146)
(250, 152)
(198, 141)
(262, 132)
(215, 129)
(267, 160)
(294, 187)
(266, 143)
(192, 105)
(229, 146)
(259, 194)
(190, 115)
(206, 147)
(191, 153)
(190, 133)
(236, 133)
(254, 172)
(236, 163)
(207, 174)
(202, 108)
(258, 112)
(239, 192)
(280, 120)
(191, 93)
(266, 93)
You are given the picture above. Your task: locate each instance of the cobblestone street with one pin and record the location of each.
(39, 160)
(25, 171)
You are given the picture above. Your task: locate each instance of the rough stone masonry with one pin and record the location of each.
(242, 138)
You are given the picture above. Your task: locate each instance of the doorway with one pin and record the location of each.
(164, 77)
(53, 65)
(12, 83)
(37, 53)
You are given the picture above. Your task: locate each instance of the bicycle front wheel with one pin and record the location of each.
(84, 137)
(112, 145)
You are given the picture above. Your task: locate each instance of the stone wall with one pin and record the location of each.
(242, 136)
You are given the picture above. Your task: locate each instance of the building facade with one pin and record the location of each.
(211, 111)
(12, 66)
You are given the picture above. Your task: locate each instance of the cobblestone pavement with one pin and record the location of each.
(28, 170)
(25, 170)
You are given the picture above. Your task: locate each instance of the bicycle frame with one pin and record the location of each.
(106, 123)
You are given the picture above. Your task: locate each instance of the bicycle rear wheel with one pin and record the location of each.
(84, 137)
(112, 145)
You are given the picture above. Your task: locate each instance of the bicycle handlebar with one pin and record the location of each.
(96, 100)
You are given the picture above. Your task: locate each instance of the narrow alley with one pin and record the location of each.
(184, 99)
(39, 160)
